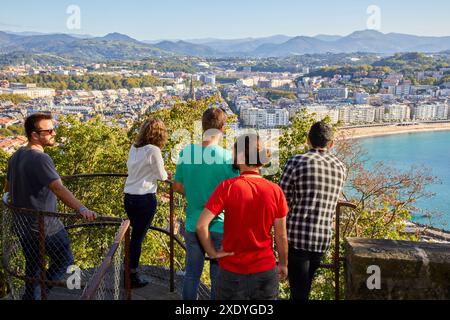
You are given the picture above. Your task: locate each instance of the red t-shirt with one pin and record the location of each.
(251, 205)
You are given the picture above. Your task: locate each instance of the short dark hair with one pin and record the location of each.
(33, 120)
(213, 118)
(320, 134)
(256, 155)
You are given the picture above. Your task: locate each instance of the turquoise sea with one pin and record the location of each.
(431, 149)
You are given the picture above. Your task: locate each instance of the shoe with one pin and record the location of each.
(137, 281)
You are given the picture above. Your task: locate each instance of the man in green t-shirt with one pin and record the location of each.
(200, 169)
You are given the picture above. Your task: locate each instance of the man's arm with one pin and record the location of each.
(205, 237)
(282, 247)
(69, 199)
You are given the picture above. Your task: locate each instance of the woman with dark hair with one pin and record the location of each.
(145, 167)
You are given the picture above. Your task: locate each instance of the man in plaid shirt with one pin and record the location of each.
(312, 183)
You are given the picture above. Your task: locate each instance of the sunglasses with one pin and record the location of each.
(48, 131)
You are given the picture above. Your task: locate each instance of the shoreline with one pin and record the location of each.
(369, 132)
(427, 231)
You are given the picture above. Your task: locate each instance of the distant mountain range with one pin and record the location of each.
(116, 46)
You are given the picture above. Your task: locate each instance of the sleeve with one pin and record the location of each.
(179, 170)
(158, 162)
(45, 170)
(217, 199)
(288, 179)
(283, 208)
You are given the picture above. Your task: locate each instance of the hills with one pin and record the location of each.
(113, 46)
(282, 46)
(116, 46)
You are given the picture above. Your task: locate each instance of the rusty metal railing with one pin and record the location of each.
(16, 228)
(171, 219)
(91, 290)
(122, 237)
(336, 265)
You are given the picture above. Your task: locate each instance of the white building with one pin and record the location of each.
(249, 82)
(249, 116)
(361, 97)
(332, 93)
(403, 90)
(358, 114)
(209, 79)
(31, 92)
(397, 113)
(321, 111)
(276, 118)
(439, 111)
(264, 118)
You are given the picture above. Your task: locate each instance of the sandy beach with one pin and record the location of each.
(356, 133)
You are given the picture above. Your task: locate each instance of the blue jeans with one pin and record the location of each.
(195, 259)
(140, 210)
(57, 247)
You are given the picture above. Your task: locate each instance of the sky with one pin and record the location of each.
(225, 19)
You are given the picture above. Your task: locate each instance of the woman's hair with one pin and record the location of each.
(253, 149)
(153, 131)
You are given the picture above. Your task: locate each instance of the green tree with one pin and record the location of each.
(14, 98)
(3, 165)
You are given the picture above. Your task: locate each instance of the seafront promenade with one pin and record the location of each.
(389, 129)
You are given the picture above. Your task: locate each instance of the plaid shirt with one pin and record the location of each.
(312, 183)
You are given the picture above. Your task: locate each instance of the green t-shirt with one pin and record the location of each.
(200, 170)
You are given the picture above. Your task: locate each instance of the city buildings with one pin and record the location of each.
(30, 90)
(324, 94)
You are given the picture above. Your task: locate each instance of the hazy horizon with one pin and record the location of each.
(200, 19)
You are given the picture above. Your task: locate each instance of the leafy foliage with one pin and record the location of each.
(14, 98)
(88, 82)
(13, 130)
(385, 198)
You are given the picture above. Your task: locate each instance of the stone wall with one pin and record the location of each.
(396, 270)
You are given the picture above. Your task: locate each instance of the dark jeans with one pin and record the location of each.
(57, 247)
(195, 259)
(140, 210)
(302, 265)
(255, 286)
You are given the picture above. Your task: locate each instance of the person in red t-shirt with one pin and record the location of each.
(252, 205)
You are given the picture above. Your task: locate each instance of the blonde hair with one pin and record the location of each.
(153, 131)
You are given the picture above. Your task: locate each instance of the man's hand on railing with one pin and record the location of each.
(87, 214)
(165, 197)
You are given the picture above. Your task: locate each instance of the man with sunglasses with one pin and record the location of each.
(33, 183)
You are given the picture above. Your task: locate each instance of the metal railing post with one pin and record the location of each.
(127, 279)
(337, 247)
(42, 275)
(171, 243)
(336, 253)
